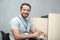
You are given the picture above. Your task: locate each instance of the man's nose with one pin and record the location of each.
(26, 11)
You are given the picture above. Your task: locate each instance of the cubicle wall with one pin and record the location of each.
(50, 25)
(40, 23)
(54, 26)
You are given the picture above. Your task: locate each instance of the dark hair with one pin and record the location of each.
(25, 4)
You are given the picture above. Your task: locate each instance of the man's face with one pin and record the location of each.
(25, 11)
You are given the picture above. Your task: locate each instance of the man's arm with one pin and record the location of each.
(40, 32)
(18, 36)
(35, 30)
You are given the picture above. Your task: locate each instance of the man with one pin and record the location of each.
(21, 27)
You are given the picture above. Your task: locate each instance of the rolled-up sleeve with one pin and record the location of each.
(13, 24)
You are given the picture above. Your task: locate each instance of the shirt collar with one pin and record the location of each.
(23, 19)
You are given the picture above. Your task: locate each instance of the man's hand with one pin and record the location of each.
(36, 34)
(46, 35)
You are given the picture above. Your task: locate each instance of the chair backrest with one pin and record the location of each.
(0, 36)
(5, 36)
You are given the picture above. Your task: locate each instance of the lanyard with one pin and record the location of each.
(24, 24)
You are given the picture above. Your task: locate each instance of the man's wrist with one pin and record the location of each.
(29, 36)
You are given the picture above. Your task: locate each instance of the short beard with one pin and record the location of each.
(24, 17)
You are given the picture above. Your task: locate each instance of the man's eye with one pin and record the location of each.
(28, 10)
(24, 9)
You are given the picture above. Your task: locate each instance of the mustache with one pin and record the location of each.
(25, 13)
